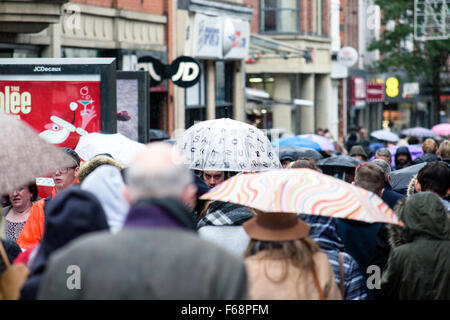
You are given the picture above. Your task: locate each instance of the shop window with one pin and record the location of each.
(224, 89)
(279, 16)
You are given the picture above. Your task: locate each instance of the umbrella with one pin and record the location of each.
(120, 147)
(442, 129)
(385, 135)
(227, 145)
(303, 191)
(414, 149)
(296, 142)
(295, 153)
(400, 178)
(343, 161)
(323, 142)
(419, 132)
(156, 134)
(25, 155)
(276, 133)
(374, 146)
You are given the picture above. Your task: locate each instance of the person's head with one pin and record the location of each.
(370, 177)
(384, 154)
(286, 162)
(271, 231)
(319, 131)
(444, 150)
(402, 157)
(412, 140)
(429, 146)
(358, 153)
(384, 166)
(213, 178)
(434, 177)
(304, 163)
(158, 172)
(363, 133)
(65, 177)
(23, 197)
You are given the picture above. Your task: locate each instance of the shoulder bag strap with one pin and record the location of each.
(317, 283)
(341, 274)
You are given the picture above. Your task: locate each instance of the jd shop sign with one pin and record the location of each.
(183, 71)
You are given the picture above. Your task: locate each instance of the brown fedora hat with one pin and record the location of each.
(276, 226)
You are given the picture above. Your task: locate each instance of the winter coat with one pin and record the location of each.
(73, 213)
(225, 214)
(266, 280)
(107, 184)
(323, 232)
(419, 263)
(90, 166)
(426, 157)
(157, 255)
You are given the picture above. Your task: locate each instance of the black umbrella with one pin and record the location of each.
(294, 153)
(400, 178)
(341, 166)
(156, 134)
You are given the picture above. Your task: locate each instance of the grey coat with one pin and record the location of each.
(144, 263)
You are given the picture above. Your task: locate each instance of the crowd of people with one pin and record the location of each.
(142, 232)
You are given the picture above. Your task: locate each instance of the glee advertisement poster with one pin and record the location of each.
(61, 110)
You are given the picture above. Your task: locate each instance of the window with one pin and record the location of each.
(279, 16)
(224, 89)
(196, 100)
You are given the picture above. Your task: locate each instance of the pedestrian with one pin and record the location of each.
(347, 272)
(284, 263)
(304, 163)
(359, 238)
(358, 152)
(389, 196)
(106, 183)
(444, 151)
(33, 229)
(157, 254)
(101, 159)
(419, 264)
(385, 155)
(18, 211)
(429, 149)
(402, 158)
(72, 214)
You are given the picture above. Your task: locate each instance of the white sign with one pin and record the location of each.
(347, 56)
(236, 39)
(410, 90)
(208, 37)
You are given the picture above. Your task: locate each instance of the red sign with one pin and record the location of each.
(375, 92)
(60, 111)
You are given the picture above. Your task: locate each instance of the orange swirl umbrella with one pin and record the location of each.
(303, 191)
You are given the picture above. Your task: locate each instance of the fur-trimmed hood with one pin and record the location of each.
(87, 167)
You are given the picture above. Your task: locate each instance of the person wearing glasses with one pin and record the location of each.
(33, 229)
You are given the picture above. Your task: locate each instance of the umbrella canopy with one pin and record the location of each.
(25, 155)
(400, 178)
(419, 132)
(385, 135)
(323, 142)
(339, 161)
(227, 145)
(120, 147)
(414, 149)
(296, 142)
(156, 134)
(442, 129)
(303, 191)
(294, 153)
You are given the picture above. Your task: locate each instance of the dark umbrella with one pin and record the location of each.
(338, 165)
(400, 178)
(294, 153)
(25, 155)
(156, 134)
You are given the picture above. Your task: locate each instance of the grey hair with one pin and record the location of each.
(383, 165)
(169, 182)
(383, 152)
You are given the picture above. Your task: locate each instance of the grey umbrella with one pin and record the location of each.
(294, 153)
(24, 155)
(338, 165)
(400, 178)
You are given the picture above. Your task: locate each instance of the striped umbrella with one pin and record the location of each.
(303, 191)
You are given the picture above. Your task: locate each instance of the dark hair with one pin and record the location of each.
(304, 163)
(32, 187)
(435, 176)
(370, 177)
(413, 140)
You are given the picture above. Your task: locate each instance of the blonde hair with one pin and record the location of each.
(429, 146)
(444, 150)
